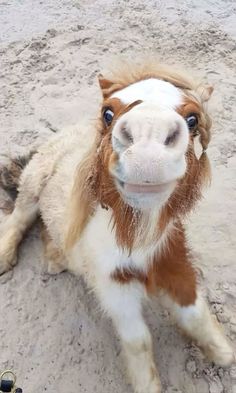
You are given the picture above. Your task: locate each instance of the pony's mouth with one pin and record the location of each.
(145, 188)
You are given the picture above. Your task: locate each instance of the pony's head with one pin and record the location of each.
(148, 126)
(143, 158)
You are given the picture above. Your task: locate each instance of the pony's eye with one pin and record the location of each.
(192, 121)
(108, 116)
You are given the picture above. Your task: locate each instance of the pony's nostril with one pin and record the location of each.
(171, 139)
(126, 134)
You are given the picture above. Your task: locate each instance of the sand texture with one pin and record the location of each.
(52, 331)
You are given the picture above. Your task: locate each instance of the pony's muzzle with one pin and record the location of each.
(150, 146)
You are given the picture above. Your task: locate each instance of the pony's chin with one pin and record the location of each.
(146, 201)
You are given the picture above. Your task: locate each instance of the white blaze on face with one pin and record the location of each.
(153, 91)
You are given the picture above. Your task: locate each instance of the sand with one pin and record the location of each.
(52, 332)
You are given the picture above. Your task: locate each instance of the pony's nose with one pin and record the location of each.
(124, 134)
(173, 136)
(145, 133)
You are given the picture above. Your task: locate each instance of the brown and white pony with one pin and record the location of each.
(112, 208)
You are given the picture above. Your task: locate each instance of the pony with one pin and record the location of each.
(112, 198)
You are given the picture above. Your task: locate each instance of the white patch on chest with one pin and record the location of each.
(154, 91)
(99, 253)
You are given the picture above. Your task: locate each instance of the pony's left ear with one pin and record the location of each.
(205, 92)
(107, 86)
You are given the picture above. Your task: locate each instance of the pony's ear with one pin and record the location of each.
(104, 83)
(205, 92)
(107, 86)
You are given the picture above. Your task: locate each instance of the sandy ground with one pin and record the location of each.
(52, 332)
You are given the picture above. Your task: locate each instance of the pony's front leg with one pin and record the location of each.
(177, 277)
(124, 304)
(197, 321)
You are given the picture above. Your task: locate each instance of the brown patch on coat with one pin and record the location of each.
(188, 190)
(170, 271)
(126, 275)
(188, 107)
(119, 109)
(192, 106)
(108, 196)
(173, 271)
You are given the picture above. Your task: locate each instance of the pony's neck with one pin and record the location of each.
(135, 228)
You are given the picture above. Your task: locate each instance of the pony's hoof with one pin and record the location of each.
(4, 268)
(54, 268)
(8, 259)
(221, 354)
(5, 265)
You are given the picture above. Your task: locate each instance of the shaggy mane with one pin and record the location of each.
(125, 73)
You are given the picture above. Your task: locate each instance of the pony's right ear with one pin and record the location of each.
(104, 83)
(205, 92)
(107, 86)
